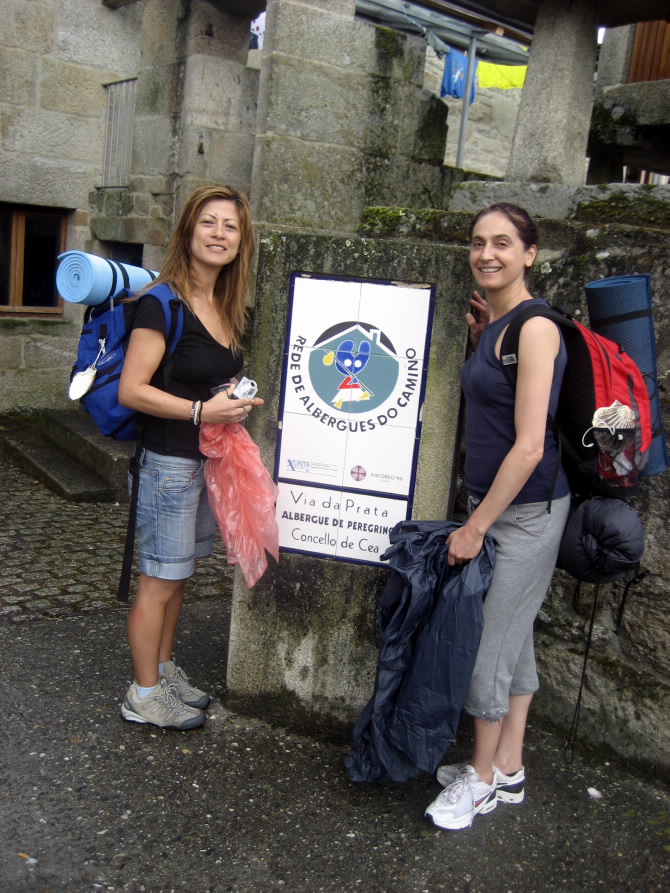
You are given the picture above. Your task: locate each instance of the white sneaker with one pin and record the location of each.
(461, 801)
(448, 774)
(509, 787)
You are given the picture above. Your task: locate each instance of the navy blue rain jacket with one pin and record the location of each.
(430, 624)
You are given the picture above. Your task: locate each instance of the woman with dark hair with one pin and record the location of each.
(511, 458)
(208, 267)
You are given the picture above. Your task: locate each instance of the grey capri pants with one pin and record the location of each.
(527, 539)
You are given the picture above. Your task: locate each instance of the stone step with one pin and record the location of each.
(24, 444)
(77, 435)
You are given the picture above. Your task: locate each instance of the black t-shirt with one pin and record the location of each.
(198, 364)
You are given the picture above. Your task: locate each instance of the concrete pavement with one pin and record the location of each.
(90, 802)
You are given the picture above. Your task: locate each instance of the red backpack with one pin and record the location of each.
(603, 421)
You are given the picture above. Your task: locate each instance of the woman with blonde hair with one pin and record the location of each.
(208, 267)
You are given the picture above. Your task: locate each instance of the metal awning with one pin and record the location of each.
(517, 17)
(482, 37)
(495, 40)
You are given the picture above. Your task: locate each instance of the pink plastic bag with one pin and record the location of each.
(242, 496)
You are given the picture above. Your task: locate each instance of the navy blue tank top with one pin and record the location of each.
(489, 421)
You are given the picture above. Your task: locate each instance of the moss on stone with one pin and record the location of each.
(431, 131)
(388, 42)
(557, 234)
(422, 224)
(381, 221)
(641, 209)
(284, 709)
(271, 241)
(454, 227)
(602, 116)
(640, 685)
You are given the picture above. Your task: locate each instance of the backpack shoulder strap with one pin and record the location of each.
(173, 310)
(509, 349)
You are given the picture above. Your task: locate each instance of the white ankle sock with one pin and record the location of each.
(143, 691)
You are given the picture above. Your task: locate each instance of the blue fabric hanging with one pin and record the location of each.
(455, 74)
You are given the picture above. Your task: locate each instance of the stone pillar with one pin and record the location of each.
(343, 123)
(343, 120)
(194, 123)
(218, 109)
(552, 128)
(606, 161)
(303, 640)
(615, 55)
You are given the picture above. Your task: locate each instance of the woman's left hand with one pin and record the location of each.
(222, 409)
(464, 544)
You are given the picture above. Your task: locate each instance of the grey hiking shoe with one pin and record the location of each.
(162, 708)
(189, 694)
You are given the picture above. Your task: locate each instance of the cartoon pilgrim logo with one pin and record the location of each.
(353, 367)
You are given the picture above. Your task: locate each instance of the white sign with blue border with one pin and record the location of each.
(354, 377)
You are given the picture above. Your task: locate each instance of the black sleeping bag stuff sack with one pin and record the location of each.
(430, 624)
(603, 541)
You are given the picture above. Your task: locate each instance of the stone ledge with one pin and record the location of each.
(644, 104)
(589, 233)
(616, 203)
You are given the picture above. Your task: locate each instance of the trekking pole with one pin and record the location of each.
(569, 749)
(123, 592)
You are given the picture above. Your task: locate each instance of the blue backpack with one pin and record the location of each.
(102, 351)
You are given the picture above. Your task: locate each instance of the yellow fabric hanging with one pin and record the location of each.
(505, 77)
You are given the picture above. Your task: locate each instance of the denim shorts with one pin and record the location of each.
(175, 524)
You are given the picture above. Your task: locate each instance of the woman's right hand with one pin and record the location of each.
(222, 409)
(477, 319)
